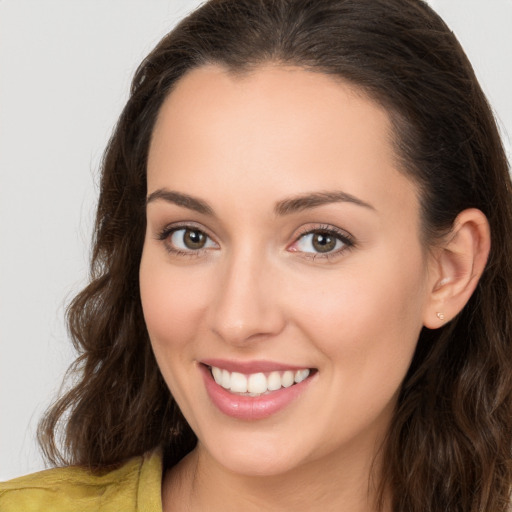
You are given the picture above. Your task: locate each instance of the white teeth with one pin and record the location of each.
(274, 381)
(226, 379)
(300, 375)
(287, 379)
(238, 382)
(256, 384)
(217, 374)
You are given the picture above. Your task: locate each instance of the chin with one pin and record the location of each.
(256, 456)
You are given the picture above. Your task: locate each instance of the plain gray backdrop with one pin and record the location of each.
(65, 69)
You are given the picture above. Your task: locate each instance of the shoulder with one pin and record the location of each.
(133, 487)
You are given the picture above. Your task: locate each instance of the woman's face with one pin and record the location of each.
(282, 245)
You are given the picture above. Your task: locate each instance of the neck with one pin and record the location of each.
(345, 483)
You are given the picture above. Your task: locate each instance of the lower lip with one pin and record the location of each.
(248, 407)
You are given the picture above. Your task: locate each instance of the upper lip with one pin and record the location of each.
(248, 367)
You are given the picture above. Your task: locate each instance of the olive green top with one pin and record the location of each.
(133, 487)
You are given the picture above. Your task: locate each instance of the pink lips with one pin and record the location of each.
(247, 367)
(247, 407)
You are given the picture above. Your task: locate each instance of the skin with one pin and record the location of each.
(258, 290)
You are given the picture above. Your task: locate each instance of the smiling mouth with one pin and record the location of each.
(260, 383)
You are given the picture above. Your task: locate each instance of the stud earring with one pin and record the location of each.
(440, 316)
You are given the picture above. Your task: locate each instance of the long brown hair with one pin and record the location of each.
(449, 445)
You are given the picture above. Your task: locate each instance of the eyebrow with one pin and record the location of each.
(313, 200)
(179, 199)
(284, 207)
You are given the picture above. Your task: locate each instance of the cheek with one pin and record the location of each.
(369, 314)
(173, 305)
(173, 302)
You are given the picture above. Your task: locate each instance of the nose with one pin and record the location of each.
(246, 305)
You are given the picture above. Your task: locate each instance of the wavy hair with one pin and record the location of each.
(449, 444)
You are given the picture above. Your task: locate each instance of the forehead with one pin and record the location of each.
(283, 128)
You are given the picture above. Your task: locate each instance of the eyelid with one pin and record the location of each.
(344, 236)
(164, 233)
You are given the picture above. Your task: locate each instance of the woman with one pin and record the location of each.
(295, 301)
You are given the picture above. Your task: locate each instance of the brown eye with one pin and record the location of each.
(187, 240)
(323, 242)
(194, 239)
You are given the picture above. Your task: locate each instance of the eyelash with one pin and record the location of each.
(345, 238)
(168, 231)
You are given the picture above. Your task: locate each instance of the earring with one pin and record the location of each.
(440, 316)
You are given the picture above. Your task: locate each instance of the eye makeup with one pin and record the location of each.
(186, 239)
(312, 242)
(322, 241)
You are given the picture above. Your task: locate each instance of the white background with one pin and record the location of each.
(65, 68)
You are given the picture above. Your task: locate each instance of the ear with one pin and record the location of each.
(456, 267)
